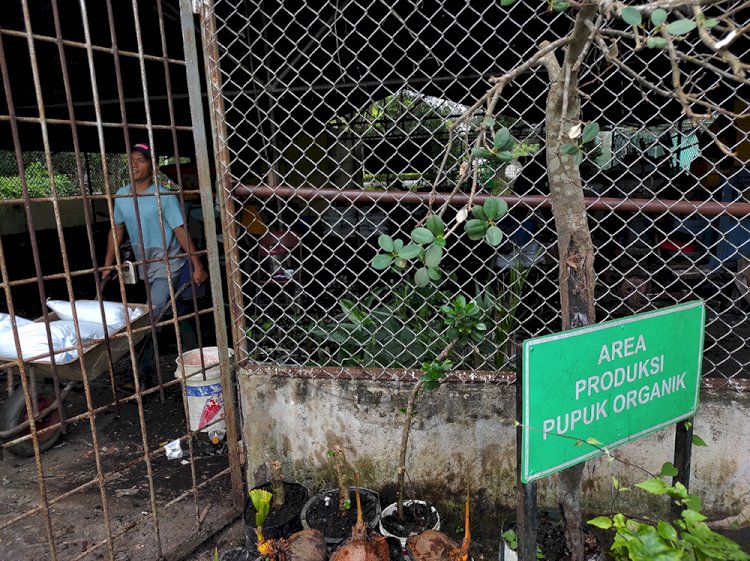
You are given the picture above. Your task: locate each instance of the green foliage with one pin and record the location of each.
(484, 223)
(658, 17)
(401, 330)
(686, 539)
(581, 144)
(681, 27)
(631, 16)
(262, 503)
(499, 313)
(37, 183)
(463, 319)
(433, 372)
(511, 538)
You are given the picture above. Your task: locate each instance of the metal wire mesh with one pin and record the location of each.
(81, 83)
(337, 119)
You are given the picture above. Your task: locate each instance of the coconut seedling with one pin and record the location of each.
(432, 545)
(337, 453)
(363, 545)
(307, 545)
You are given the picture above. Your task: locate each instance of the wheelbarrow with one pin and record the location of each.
(14, 420)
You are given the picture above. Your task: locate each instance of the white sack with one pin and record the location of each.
(89, 311)
(34, 342)
(5, 322)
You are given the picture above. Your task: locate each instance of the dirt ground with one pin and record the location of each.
(77, 521)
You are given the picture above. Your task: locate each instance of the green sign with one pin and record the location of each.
(606, 384)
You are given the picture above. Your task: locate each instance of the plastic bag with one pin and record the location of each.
(89, 311)
(6, 324)
(33, 339)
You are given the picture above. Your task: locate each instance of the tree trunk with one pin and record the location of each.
(577, 277)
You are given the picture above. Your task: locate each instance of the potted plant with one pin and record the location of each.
(331, 512)
(305, 545)
(463, 322)
(283, 516)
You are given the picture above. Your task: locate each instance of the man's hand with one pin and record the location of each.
(199, 273)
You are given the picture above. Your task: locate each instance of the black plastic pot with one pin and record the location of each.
(322, 513)
(280, 523)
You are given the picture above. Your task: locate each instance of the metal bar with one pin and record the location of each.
(84, 191)
(231, 411)
(224, 176)
(9, 302)
(97, 48)
(183, 388)
(526, 508)
(69, 285)
(683, 450)
(652, 206)
(51, 121)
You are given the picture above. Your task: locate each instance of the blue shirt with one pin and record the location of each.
(152, 246)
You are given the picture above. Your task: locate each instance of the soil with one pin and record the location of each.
(323, 513)
(551, 539)
(418, 517)
(281, 521)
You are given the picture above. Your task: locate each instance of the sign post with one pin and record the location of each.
(594, 388)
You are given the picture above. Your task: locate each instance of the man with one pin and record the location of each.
(151, 247)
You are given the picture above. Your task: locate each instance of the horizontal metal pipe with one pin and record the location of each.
(50, 121)
(98, 48)
(651, 206)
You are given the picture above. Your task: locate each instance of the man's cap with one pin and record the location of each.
(144, 149)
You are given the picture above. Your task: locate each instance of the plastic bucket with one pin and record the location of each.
(204, 397)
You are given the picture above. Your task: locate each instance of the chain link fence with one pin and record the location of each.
(338, 121)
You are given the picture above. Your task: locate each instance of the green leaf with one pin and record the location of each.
(386, 243)
(262, 502)
(435, 274)
(478, 212)
(481, 153)
(422, 236)
(694, 502)
(506, 3)
(698, 441)
(476, 228)
(711, 22)
(692, 516)
(681, 27)
(593, 441)
(489, 121)
(409, 251)
(422, 277)
(570, 149)
(435, 225)
(590, 132)
(560, 5)
(667, 531)
(656, 43)
(668, 470)
(655, 486)
(504, 156)
(502, 139)
(494, 236)
(398, 244)
(578, 158)
(658, 16)
(631, 16)
(432, 256)
(491, 208)
(603, 522)
(381, 261)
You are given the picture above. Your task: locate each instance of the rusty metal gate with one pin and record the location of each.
(335, 125)
(111, 449)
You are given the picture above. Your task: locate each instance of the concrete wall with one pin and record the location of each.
(13, 217)
(459, 429)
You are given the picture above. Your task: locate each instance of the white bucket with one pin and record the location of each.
(204, 397)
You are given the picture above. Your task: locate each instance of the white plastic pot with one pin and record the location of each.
(391, 509)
